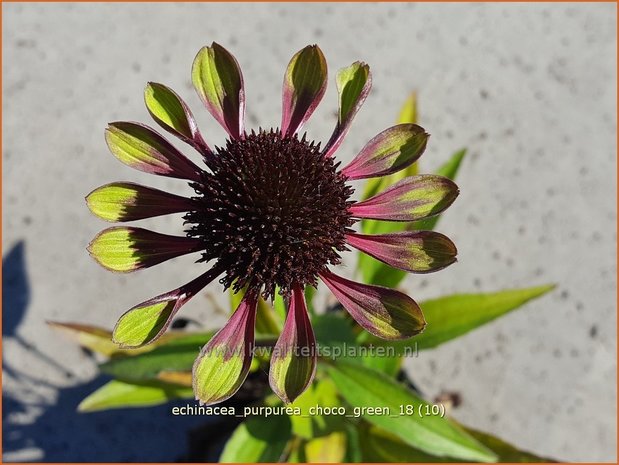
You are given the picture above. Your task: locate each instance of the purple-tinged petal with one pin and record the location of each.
(223, 363)
(217, 77)
(126, 249)
(390, 151)
(410, 199)
(293, 362)
(305, 83)
(383, 312)
(126, 201)
(144, 149)
(173, 115)
(147, 321)
(417, 252)
(353, 86)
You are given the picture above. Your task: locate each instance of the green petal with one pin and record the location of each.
(389, 152)
(126, 201)
(223, 363)
(293, 363)
(127, 249)
(173, 114)
(217, 78)
(147, 321)
(305, 83)
(140, 147)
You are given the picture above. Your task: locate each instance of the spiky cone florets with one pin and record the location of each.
(273, 211)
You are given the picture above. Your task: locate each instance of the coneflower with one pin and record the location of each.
(272, 211)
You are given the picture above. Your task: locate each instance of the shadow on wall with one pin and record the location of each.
(40, 421)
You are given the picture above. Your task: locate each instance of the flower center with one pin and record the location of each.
(274, 212)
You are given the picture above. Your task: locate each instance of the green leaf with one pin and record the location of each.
(378, 445)
(279, 305)
(326, 449)
(310, 292)
(390, 365)
(176, 355)
(364, 387)
(332, 330)
(93, 338)
(506, 452)
(267, 321)
(257, 440)
(311, 425)
(452, 316)
(353, 444)
(100, 340)
(408, 112)
(121, 394)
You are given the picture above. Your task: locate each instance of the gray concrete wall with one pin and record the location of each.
(528, 88)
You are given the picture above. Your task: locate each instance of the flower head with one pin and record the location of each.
(272, 211)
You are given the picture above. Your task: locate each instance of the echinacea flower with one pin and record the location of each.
(272, 211)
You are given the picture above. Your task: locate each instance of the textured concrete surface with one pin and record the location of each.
(529, 89)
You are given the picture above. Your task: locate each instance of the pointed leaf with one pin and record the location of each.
(379, 445)
(409, 112)
(452, 316)
(147, 321)
(435, 435)
(411, 199)
(326, 449)
(416, 252)
(126, 201)
(293, 362)
(267, 321)
(353, 86)
(144, 149)
(218, 80)
(120, 394)
(506, 452)
(383, 312)
(177, 355)
(390, 151)
(91, 337)
(127, 249)
(224, 362)
(305, 83)
(258, 440)
(324, 393)
(99, 340)
(173, 114)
